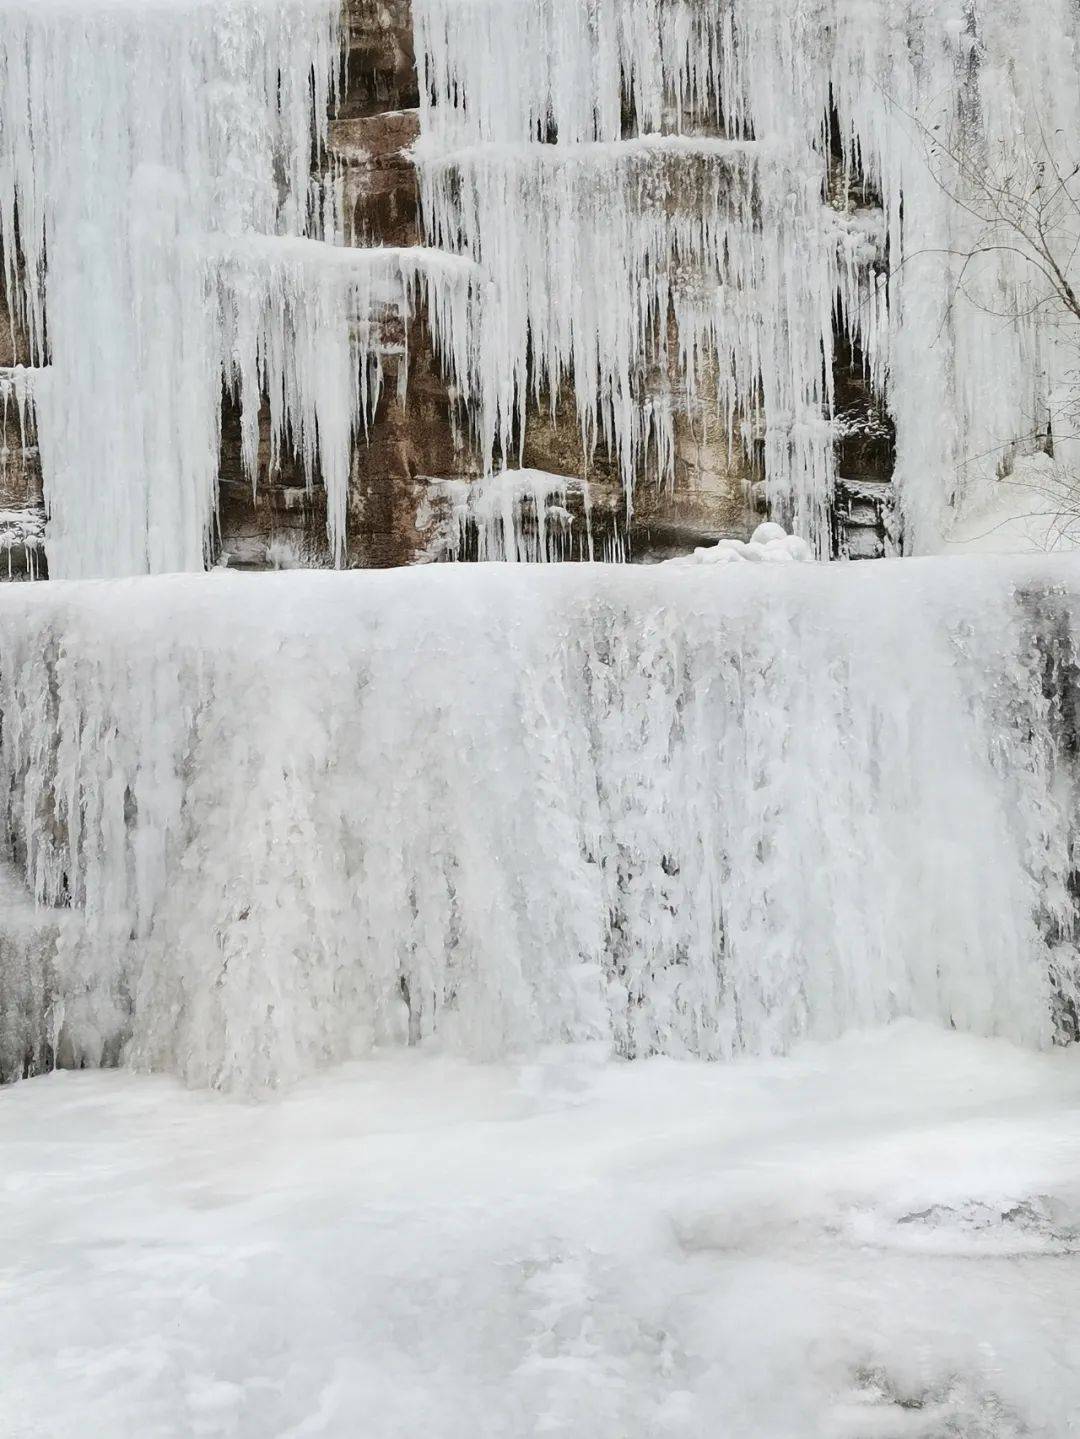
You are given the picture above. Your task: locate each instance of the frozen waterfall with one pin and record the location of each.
(883, 171)
(658, 211)
(517, 991)
(685, 810)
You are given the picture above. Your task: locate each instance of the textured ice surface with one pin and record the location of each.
(31, 1012)
(779, 1249)
(693, 810)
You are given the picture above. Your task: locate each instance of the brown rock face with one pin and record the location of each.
(22, 511)
(381, 67)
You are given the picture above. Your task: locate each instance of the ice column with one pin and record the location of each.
(129, 132)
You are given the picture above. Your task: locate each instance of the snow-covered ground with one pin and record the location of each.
(1033, 510)
(876, 1237)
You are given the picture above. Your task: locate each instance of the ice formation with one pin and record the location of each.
(518, 517)
(130, 132)
(685, 811)
(164, 234)
(675, 208)
(286, 308)
(31, 1009)
(631, 234)
(21, 530)
(567, 148)
(19, 384)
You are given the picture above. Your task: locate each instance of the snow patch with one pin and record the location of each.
(769, 544)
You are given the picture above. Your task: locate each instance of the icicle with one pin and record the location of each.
(302, 325)
(129, 132)
(519, 516)
(20, 385)
(494, 71)
(539, 158)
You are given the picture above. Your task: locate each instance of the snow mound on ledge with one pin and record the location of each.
(769, 544)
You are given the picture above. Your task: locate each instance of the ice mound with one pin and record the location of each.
(770, 544)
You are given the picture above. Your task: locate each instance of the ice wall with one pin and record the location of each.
(645, 267)
(686, 809)
(31, 1003)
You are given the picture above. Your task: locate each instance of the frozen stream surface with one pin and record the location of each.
(873, 1237)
